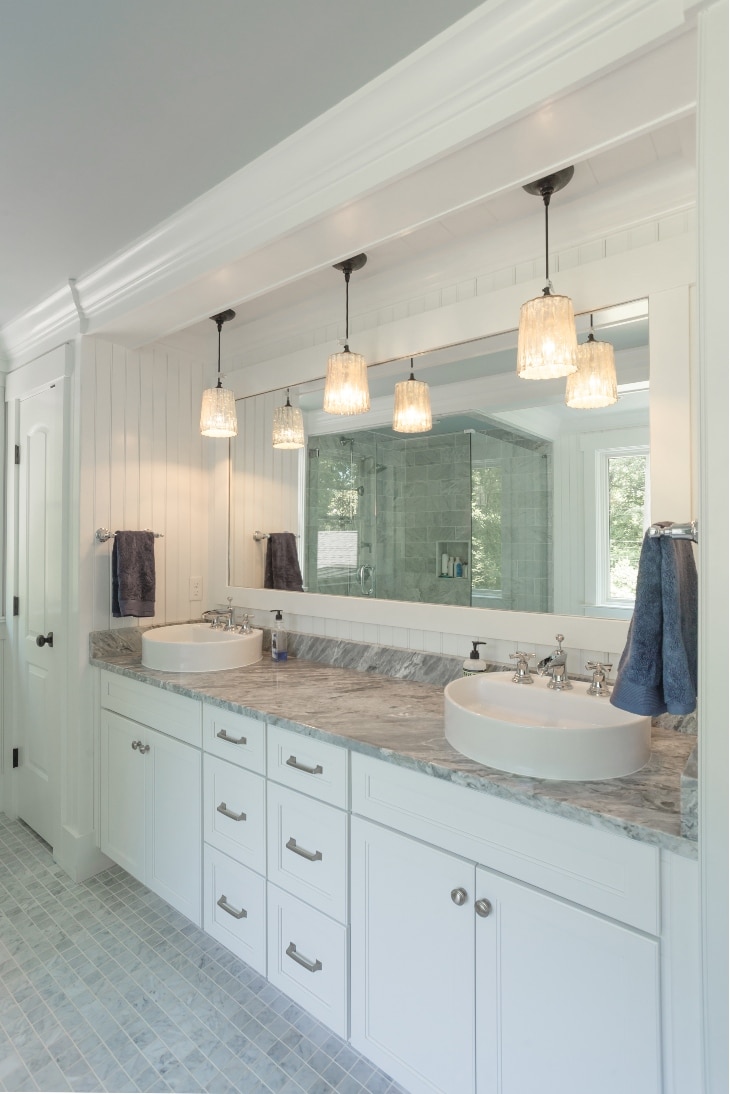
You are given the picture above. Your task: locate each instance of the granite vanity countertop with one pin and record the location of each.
(403, 722)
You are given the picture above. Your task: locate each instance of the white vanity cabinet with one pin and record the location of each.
(234, 828)
(150, 789)
(464, 979)
(307, 863)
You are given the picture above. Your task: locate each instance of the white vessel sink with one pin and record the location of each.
(198, 647)
(528, 729)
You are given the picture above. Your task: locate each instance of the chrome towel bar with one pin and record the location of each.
(676, 531)
(103, 534)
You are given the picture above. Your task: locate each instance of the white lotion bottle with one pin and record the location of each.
(474, 663)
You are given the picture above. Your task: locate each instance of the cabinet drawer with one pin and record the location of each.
(308, 850)
(234, 812)
(173, 714)
(613, 875)
(235, 737)
(234, 908)
(308, 764)
(307, 954)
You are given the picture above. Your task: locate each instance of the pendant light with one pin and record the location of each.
(288, 431)
(346, 386)
(546, 342)
(593, 384)
(412, 406)
(218, 408)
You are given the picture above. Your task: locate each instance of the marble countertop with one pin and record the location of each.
(403, 722)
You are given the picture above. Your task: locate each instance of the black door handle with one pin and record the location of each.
(45, 639)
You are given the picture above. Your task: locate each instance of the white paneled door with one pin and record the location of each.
(39, 674)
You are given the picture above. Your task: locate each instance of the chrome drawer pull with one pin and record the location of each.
(292, 762)
(311, 856)
(310, 966)
(237, 913)
(143, 748)
(223, 808)
(231, 740)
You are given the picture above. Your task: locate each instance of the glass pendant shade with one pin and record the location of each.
(593, 384)
(288, 431)
(412, 406)
(546, 341)
(218, 413)
(346, 388)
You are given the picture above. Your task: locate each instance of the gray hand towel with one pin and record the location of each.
(281, 569)
(133, 574)
(657, 672)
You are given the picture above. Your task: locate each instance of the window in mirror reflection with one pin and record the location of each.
(628, 518)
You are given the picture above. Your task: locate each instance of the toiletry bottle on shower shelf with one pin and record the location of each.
(451, 566)
(444, 564)
(278, 639)
(474, 663)
(458, 568)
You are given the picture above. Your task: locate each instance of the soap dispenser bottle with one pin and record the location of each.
(278, 638)
(474, 663)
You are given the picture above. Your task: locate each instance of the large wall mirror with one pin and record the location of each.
(510, 501)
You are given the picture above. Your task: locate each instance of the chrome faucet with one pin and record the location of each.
(555, 664)
(220, 617)
(522, 671)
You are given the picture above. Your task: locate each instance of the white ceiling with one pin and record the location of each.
(119, 112)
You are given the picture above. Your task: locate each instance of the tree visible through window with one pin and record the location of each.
(627, 507)
(486, 528)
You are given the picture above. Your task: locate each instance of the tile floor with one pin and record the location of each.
(104, 987)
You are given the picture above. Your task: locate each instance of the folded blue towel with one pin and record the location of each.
(657, 672)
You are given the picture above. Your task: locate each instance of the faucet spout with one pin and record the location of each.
(555, 664)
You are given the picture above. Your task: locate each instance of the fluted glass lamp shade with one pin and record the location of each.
(218, 413)
(412, 406)
(346, 387)
(546, 341)
(288, 431)
(593, 384)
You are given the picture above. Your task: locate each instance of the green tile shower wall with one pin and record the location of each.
(411, 499)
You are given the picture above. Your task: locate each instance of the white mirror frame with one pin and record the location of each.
(661, 272)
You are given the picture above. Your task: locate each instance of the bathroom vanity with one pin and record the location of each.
(468, 930)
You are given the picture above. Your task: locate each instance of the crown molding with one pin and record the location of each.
(497, 63)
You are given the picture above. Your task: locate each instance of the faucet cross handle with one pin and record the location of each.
(522, 671)
(598, 685)
(559, 639)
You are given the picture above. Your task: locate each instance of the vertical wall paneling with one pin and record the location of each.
(145, 470)
(264, 488)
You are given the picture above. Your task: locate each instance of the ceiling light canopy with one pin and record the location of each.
(346, 386)
(546, 342)
(593, 384)
(412, 406)
(288, 431)
(218, 406)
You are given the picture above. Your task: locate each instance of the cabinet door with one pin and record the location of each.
(122, 793)
(567, 1002)
(412, 960)
(173, 816)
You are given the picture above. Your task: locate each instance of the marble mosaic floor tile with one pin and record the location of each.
(104, 987)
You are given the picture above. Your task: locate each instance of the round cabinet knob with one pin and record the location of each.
(482, 908)
(135, 745)
(45, 639)
(459, 896)
(143, 748)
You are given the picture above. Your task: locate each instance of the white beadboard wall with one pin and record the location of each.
(144, 465)
(264, 487)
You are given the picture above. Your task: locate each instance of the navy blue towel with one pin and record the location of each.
(657, 672)
(133, 574)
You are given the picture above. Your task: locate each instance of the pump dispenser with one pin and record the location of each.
(278, 638)
(474, 663)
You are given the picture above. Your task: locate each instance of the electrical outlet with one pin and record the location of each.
(196, 588)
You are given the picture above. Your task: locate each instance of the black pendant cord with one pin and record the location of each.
(219, 324)
(347, 311)
(546, 195)
(411, 377)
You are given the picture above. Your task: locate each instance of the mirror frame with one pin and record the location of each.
(663, 277)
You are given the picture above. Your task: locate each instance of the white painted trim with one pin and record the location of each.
(713, 716)
(495, 66)
(33, 377)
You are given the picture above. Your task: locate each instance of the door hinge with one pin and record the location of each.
(16, 605)
(17, 453)
(16, 761)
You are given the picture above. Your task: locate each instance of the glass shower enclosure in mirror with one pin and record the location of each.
(511, 500)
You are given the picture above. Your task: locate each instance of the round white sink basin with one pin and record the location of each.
(198, 647)
(528, 729)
